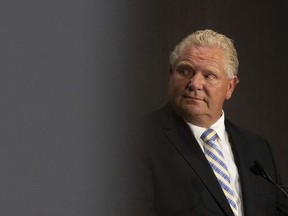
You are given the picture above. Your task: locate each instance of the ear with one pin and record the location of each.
(231, 86)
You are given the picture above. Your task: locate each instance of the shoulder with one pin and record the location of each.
(153, 127)
(232, 128)
(165, 118)
(249, 141)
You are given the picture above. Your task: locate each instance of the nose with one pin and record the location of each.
(195, 82)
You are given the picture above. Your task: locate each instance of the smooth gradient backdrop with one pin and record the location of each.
(74, 73)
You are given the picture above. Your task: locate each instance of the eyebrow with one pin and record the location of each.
(187, 64)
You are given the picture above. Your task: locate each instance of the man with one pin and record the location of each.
(192, 160)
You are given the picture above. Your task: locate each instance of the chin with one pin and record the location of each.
(190, 111)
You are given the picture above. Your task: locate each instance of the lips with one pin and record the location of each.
(192, 98)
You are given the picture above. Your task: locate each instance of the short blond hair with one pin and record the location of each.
(210, 38)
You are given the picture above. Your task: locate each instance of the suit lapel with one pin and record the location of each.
(244, 158)
(181, 137)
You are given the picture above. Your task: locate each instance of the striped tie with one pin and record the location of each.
(216, 159)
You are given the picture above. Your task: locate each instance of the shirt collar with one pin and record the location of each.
(218, 126)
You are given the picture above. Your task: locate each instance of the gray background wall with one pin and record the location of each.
(74, 72)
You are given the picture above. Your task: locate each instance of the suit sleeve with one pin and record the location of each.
(142, 186)
(282, 203)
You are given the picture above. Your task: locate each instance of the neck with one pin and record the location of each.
(202, 120)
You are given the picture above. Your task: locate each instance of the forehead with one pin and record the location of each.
(202, 52)
(202, 55)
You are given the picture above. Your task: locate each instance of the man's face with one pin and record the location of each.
(199, 85)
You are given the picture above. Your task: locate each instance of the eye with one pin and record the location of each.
(184, 72)
(211, 77)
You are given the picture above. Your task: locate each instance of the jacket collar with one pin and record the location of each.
(178, 132)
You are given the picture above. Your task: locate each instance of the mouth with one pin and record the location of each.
(192, 98)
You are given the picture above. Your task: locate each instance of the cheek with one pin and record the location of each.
(172, 86)
(176, 84)
(217, 94)
(176, 89)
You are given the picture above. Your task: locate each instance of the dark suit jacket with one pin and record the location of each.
(173, 176)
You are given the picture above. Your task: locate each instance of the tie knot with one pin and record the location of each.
(209, 135)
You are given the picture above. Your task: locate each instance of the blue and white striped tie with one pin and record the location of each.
(216, 159)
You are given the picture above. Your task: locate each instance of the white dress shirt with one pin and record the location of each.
(224, 145)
